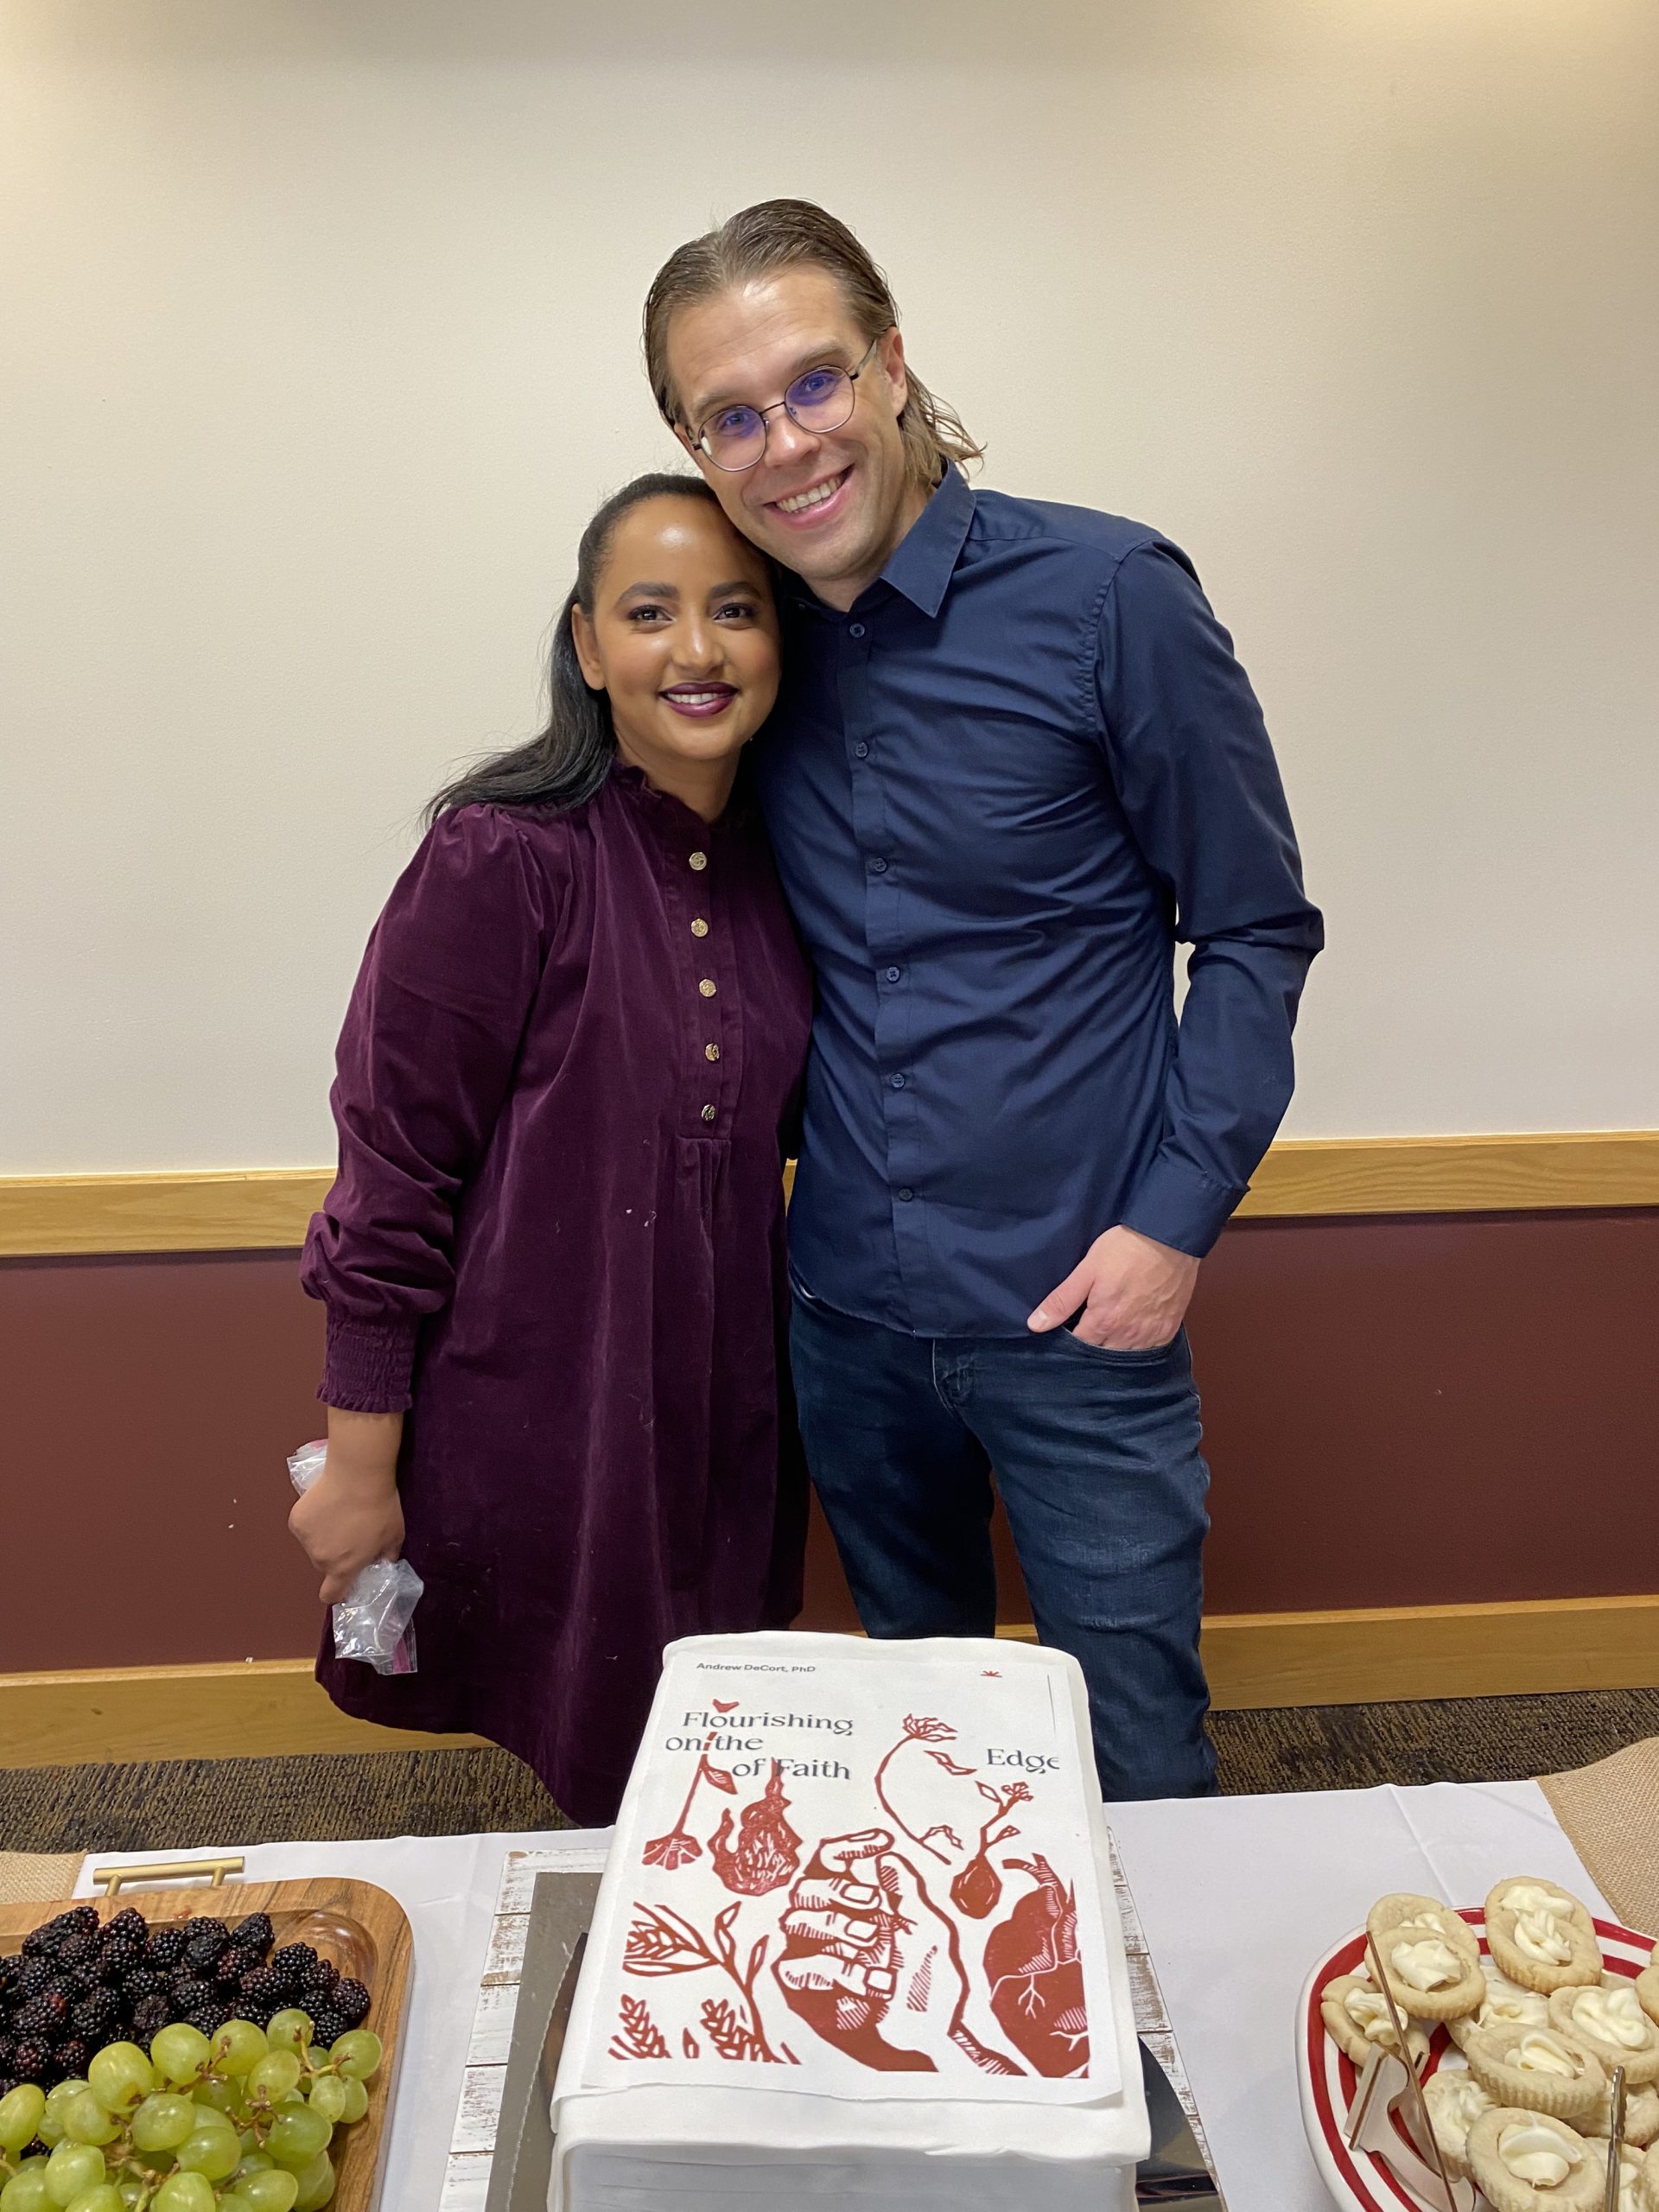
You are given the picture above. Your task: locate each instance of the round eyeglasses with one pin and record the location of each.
(820, 399)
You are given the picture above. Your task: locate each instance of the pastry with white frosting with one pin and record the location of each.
(1455, 2101)
(1538, 2068)
(1355, 2016)
(1541, 1936)
(1505, 2005)
(1430, 1956)
(1524, 2163)
(1609, 2021)
(1647, 1988)
(1647, 2184)
(1641, 2117)
(1630, 2162)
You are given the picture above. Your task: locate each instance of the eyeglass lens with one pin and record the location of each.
(820, 400)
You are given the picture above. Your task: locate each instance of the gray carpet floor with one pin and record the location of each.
(177, 1805)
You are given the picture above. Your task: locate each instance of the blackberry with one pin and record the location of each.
(42, 2016)
(205, 1928)
(201, 1952)
(166, 1945)
(210, 2017)
(256, 1932)
(263, 1987)
(142, 1982)
(128, 1922)
(74, 2055)
(290, 1962)
(78, 1984)
(118, 1954)
(95, 2016)
(234, 1963)
(327, 2026)
(77, 1948)
(189, 1996)
(315, 1983)
(34, 1976)
(149, 2017)
(30, 2059)
(352, 2000)
(7, 2084)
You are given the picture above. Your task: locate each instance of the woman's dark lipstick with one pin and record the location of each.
(701, 702)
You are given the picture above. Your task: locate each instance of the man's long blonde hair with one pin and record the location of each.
(790, 234)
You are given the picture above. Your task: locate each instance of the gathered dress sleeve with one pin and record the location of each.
(426, 1058)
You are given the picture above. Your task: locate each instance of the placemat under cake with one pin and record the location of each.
(1611, 1813)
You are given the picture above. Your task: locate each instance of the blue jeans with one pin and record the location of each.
(1097, 1462)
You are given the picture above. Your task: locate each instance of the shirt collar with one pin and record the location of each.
(925, 560)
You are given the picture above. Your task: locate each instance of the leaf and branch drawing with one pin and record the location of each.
(978, 1889)
(679, 1844)
(663, 1942)
(928, 1732)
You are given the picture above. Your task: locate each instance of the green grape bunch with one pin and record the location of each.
(243, 2120)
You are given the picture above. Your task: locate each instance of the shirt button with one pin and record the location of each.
(707, 1113)
(878, 867)
(706, 988)
(857, 630)
(893, 974)
(699, 928)
(906, 1196)
(699, 860)
(860, 752)
(711, 1051)
(897, 1081)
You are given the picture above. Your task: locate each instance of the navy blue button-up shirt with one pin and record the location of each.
(999, 790)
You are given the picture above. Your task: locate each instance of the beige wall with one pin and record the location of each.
(318, 342)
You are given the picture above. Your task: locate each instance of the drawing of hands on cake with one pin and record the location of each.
(873, 1966)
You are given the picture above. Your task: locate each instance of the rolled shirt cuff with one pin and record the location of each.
(368, 1364)
(1175, 1205)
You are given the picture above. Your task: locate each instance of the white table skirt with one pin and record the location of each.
(1237, 1895)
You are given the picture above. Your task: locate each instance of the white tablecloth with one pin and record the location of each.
(1238, 1894)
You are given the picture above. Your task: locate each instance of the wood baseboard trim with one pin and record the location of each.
(264, 1708)
(266, 1209)
(272, 1707)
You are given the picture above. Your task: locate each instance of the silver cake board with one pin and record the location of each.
(521, 2172)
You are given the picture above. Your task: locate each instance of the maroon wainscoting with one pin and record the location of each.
(1397, 1412)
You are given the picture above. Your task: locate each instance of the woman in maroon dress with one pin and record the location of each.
(553, 1259)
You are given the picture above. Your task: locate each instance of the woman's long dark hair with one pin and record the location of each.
(568, 762)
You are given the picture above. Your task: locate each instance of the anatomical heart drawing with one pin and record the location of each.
(880, 1879)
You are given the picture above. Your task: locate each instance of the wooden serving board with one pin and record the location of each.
(362, 1929)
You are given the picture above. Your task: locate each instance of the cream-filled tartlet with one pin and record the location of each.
(1647, 1988)
(1455, 2101)
(1430, 1956)
(1541, 1936)
(1355, 2016)
(1505, 2005)
(1641, 2117)
(1647, 2183)
(1609, 2021)
(1525, 2160)
(1630, 2162)
(1538, 2068)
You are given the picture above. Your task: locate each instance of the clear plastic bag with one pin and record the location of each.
(375, 1620)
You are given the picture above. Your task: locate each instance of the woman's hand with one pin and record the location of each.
(352, 1515)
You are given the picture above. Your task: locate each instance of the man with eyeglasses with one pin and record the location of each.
(1014, 760)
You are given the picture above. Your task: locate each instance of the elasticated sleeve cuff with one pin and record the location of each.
(368, 1364)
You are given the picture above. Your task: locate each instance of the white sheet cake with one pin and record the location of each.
(856, 1944)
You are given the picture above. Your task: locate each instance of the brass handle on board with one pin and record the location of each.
(113, 1879)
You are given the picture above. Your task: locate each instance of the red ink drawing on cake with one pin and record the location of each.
(1036, 1973)
(768, 1852)
(923, 1733)
(873, 1966)
(638, 2035)
(663, 1942)
(978, 1889)
(679, 1844)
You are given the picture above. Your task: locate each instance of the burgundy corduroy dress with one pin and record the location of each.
(566, 1079)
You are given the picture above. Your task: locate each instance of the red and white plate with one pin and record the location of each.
(1358, 2180)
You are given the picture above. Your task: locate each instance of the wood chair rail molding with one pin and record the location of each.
(266, 1209)
(270, 1708)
